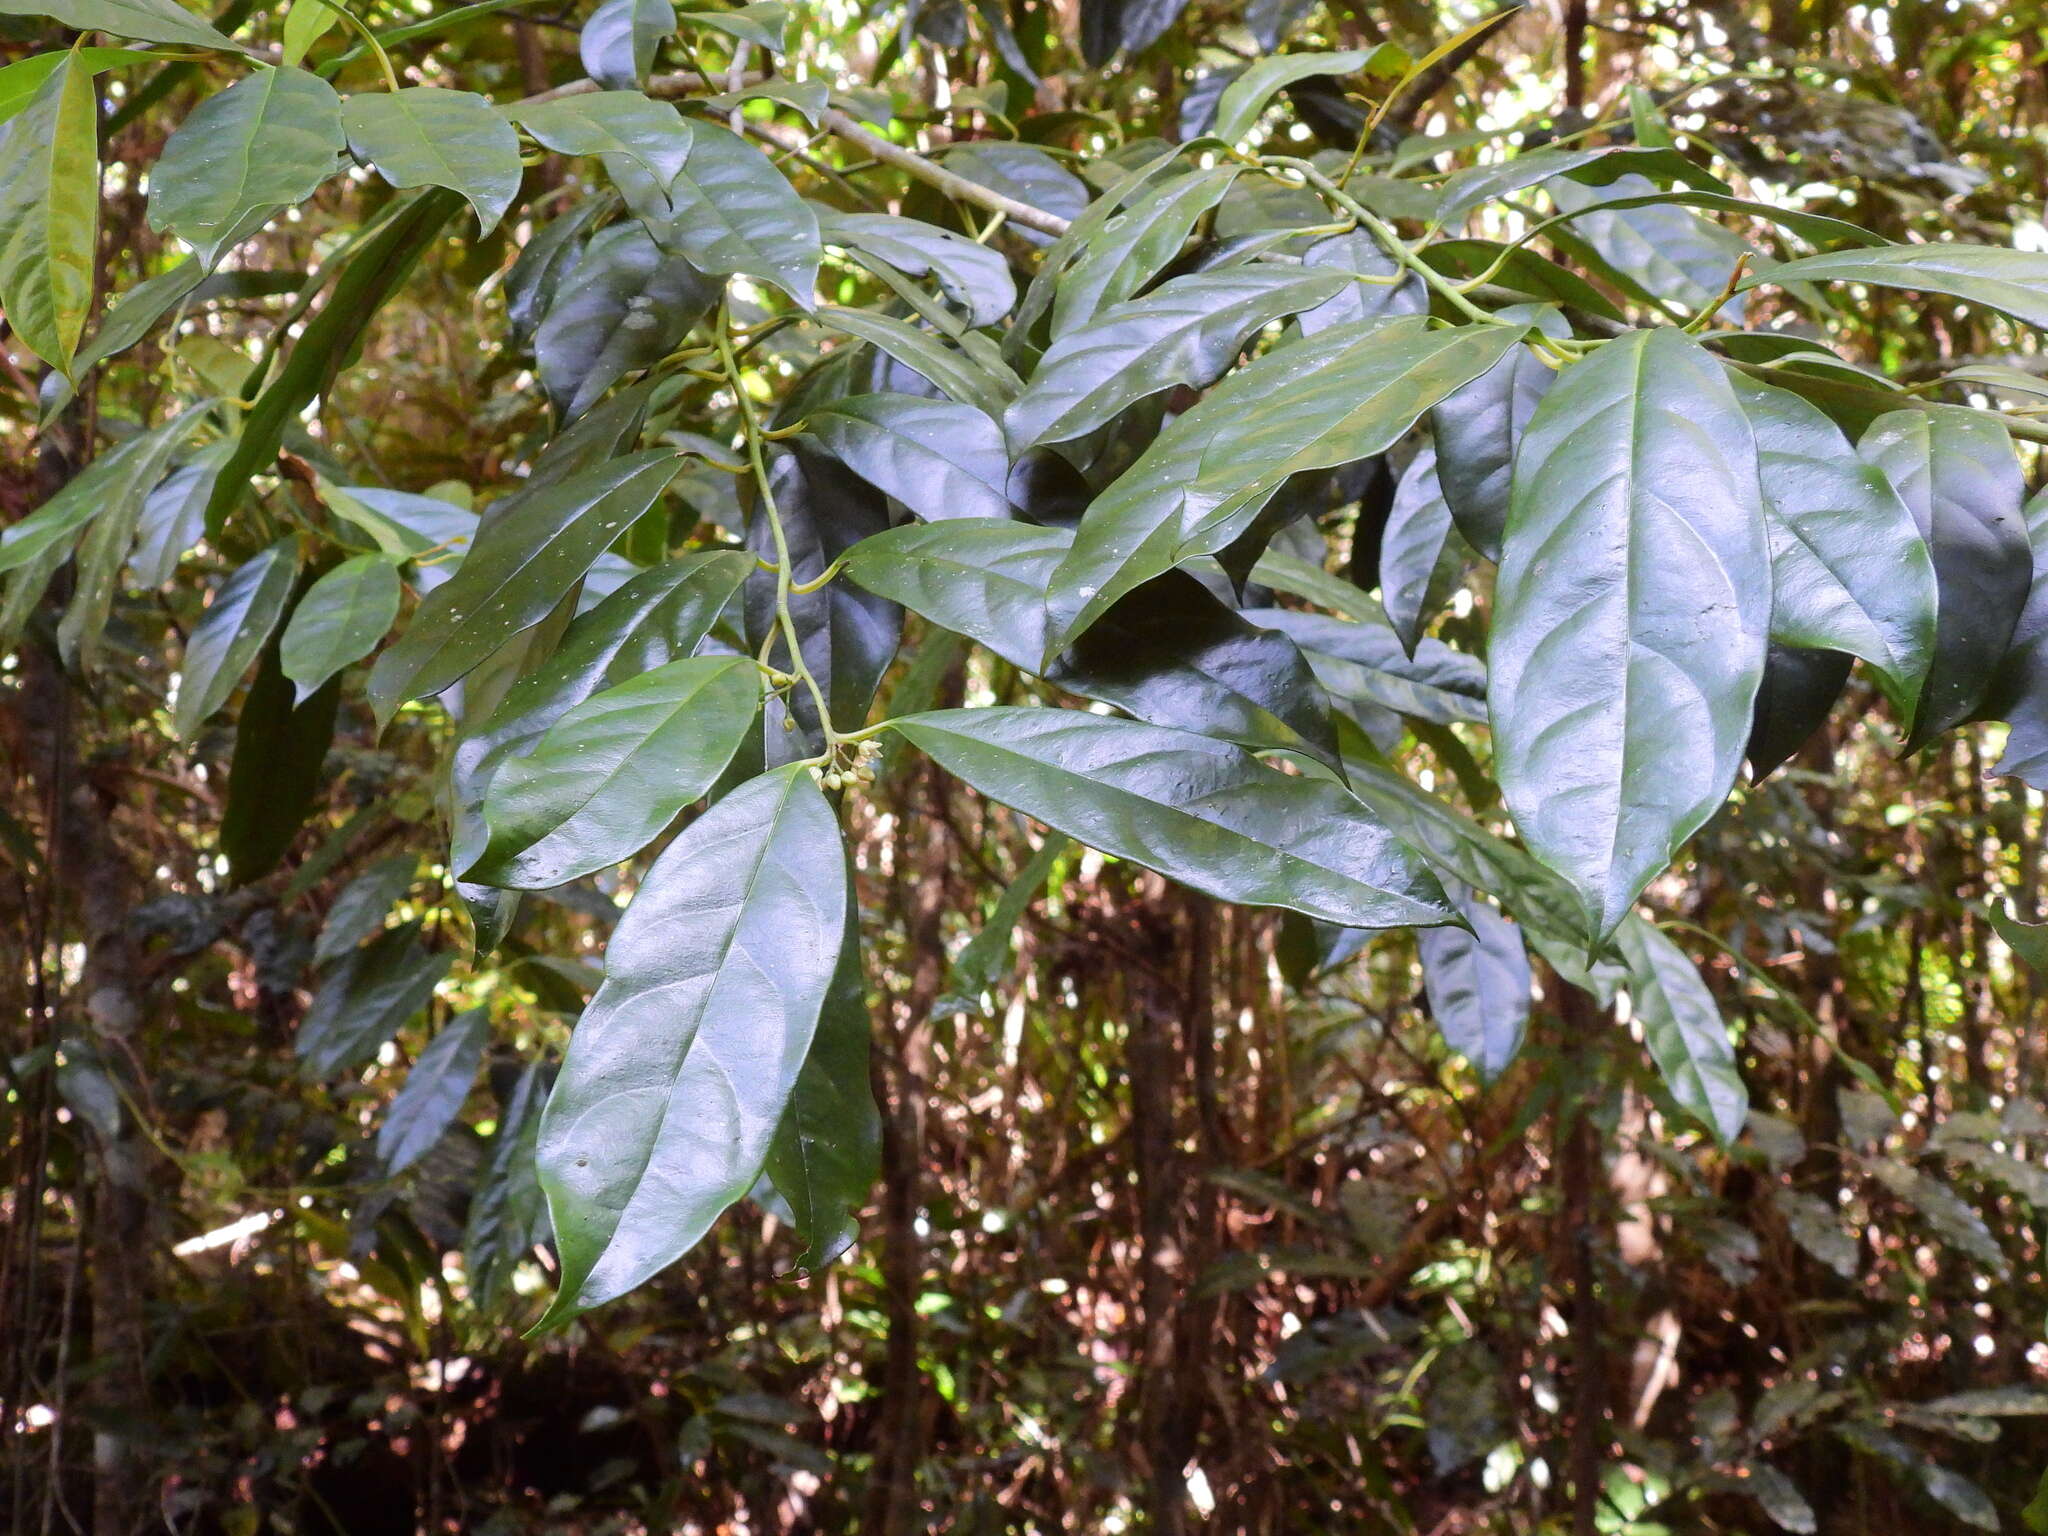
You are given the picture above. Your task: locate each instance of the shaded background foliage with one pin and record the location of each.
(1172, 1234)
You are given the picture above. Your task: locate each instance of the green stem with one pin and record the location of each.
(369, 38)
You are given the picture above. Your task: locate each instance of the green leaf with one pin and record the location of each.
(278, 772)
(424, 136)
(615, 770)
(623, 307)
(1356, 255)
(1206, 814)
(264, 143)
(305, 23)
(49, 214)
(1186, 331)
(1960, 1497)
(1957, 472)
(150, 21)
(827, 1152)
(1630, 617)
(1793, 701)
(728, 209)
(1477, 429)
(340, 620)
(507, 1214)
(619, 40)
(1136, 245)
(941, 459)
(1477, 980)
(2027, 940)
(517, 570)
(1421, 553)
(1849, 569)
(683, 1065)
(1471, 189)
(21, 80)
(946, 368)
(764, 24)
(366, 998)
(619, 125)
(1366, 660)
(427, 1105)
(2012, 282)
(1683, 1028)
(1341, 396)
(1818, 1229)
(360, 909)
(1650, 247)
(174, 515)
(981, 958)
(972, 276)
(1238, 109)
(1992, 1403)
(230, 633)
(1779, 1498)
(984, 578)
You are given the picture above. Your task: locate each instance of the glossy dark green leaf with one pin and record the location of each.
(626, 124)
(434, 1090)
(1478, 981)
(1136, 245)
(1238, 109)
(174, 515)
(1367, 660)
(728, 209)
(1661, 252)
(150, 21)
(1170, 653)
(2012, 282)
(1799, 689)
(515, 573)
(1209, 815)
(1025, 172)
(425, 136)
(366, 998)
(1357, 255)
(1341, 396)
(827, 1153)
(1476, 430)
(763, 23)
(2019, 690)
(49, 214)
(972, 276)
(939, 458)
(614, 771)
(1107, 25)
(657, 617)
(1630, 617)
(1957, 472)
(508, 1215)
(230, 633)
(1472, 189)
(2027, 940)
(619, 40)
(542, 264)
(848, 636)
(360, 909)
(279, 769)
(266, 142)
(983, 578)
(1422, 555)
(945, 367)
(1849, 568)
(1186, 331)
(682, 1067)
(1683, 1028)
(623, 307)
(340, 620)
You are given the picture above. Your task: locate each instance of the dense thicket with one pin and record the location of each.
(1014, 767)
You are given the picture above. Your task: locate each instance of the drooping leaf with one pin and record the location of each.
(507, 1213)
(939, 458)
(1476, 429)
(1366, 660)
(2012, 282)
(1947, 1214)
(174, 515)
(1238, 109)
(340, 620)
(1478, 981)
(945, 367)
(432, 1096)
(2027, 940)
(1817, 1229)
(366, 998)
(1630, 618)
(515, 573)
(619, 40)
(21, 80)
(614, 124)
(827, 1152)
(1957, 472)
(972, 276)
(1107, 25)
(1136, 245)
(264, 143)
(614, 771)
(278, 771)
(1341, 396)
(49, 213)
(544, 262)
(1779, 1498)
(1849, 569)
(1797, 693)
(1683, 1028)
(1653, 248)
(426, 136)
(624, 306)
(149, 21)
(683, 1065)
(1025, 172)
(1356, 255)
(231, 632)
(981, 958)
(1206, 814)
(1186, 331)
(305, 23)
(1471, 189)
(1421, 552)
(984, 578)
(2019, 690)
(360, 909)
